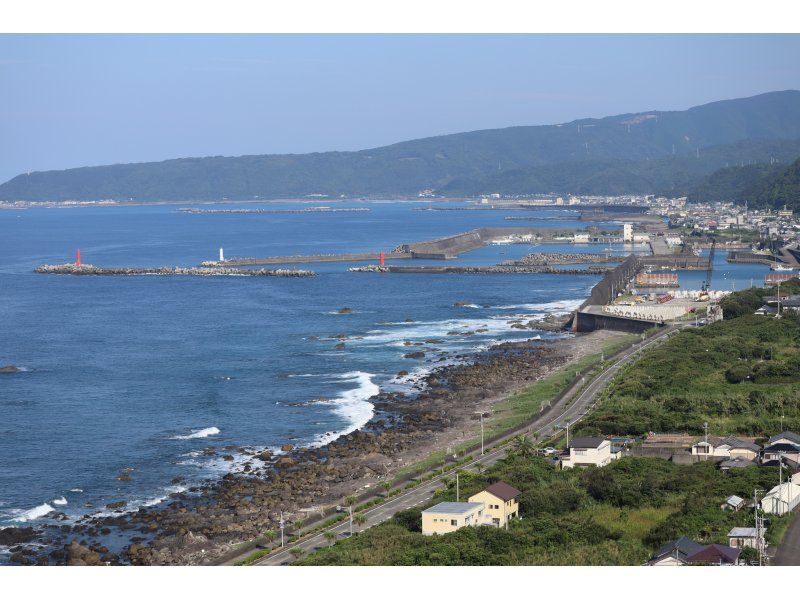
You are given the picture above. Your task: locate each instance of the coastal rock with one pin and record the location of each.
(340, 346)
(415, 355)
(117, 505)
(264, 456)
(78, 555)
(287, 448)
(9, 536)
(9, 369)
(402, 373)
(346, 310)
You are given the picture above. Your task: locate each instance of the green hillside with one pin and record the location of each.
(781, 189)
(611, 153)
(762, 185)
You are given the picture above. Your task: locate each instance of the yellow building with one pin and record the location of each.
(448, 517)
(501, 504)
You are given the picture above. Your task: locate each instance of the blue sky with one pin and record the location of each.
(79, 100)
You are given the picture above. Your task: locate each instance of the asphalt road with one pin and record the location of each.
(569, 408)
(788, 552)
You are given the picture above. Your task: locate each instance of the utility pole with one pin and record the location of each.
(351, 520)
(457, 493)
(758, 529)
(480, 413)
(283, 543)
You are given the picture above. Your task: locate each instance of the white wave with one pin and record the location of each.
(203, 433)
(159, 499)
(353, 405)
(396, 336)
(60, 501)
(34, 513)
(554, 307)
(76, 490)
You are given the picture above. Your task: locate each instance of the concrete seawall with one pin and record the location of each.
(88, 270)
(306, 259)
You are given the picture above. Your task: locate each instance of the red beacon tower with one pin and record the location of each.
(78, 258)
(381, 259)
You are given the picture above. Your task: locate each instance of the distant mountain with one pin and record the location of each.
(625, 153)
(673, 176)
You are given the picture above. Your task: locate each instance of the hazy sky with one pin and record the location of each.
(98, 99)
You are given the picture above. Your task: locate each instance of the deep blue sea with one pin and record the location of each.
(141, 374)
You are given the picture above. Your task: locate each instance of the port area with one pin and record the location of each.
(443, 248)
(632, 298)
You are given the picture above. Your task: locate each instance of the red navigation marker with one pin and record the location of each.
(78, 258)
(381, 258)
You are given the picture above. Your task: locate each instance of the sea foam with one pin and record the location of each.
(203, 433)
(34, 513)
(353, 405)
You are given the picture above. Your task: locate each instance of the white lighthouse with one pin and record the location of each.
(221, 255)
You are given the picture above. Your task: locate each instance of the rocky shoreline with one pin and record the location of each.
(202, 524)
(89, 270)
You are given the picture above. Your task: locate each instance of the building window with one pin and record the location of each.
(454, 522)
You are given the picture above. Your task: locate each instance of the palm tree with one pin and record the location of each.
(360, 520)
(296, 552)
(270, 535)
(387, 487)
(350, 500)
(330, 537)
(523, 446)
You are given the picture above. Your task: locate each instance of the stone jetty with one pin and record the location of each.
(501, 269)
(89, 270)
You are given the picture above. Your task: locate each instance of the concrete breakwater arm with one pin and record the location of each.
(306, 259)
(502, 269)
(88, 270)
(266, 211)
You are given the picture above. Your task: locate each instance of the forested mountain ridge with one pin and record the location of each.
(623, 153)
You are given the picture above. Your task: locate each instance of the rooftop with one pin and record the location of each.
(453, 508)
(792, 437)
(586, 442)
(743, 532)
(503, 491)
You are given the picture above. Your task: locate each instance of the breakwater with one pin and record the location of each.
(306, 259)
(89, 270)
(501, 269)
(320, 210)
(555, 259)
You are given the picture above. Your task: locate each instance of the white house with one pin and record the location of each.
(589, 452)
(746, 537)
(450, 516)
(726, 448)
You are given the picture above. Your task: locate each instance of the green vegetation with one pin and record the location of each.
(616, 515)
(761, 185)
(740, 375)
(628, 153)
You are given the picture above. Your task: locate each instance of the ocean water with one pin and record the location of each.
(141, 374)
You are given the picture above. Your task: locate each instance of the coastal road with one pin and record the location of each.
(788, 552)
(570, 408)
